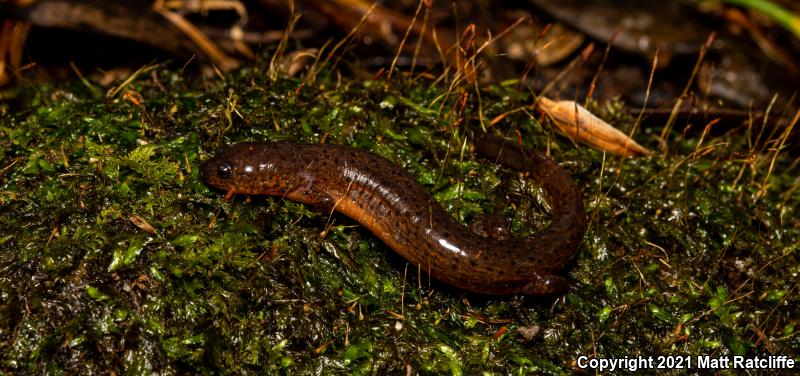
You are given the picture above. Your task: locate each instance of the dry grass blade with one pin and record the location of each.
(201, 40)
(776, 151)
(274, 64)
(12, 38)
(678, 103)
(317, 67)
(580, 124)
(114, 91)
(403, 41)
(5, 40)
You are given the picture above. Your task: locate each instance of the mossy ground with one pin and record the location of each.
(115, 258)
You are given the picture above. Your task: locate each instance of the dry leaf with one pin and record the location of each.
(142, 224)
(580, 124)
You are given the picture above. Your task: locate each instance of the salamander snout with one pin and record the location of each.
(248, 168)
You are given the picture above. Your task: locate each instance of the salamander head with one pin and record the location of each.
(242, 168)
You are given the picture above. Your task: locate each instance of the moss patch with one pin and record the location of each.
(115, 257)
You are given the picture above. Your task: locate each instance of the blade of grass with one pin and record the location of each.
(775, 12)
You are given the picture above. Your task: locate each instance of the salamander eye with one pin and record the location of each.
(224, 170)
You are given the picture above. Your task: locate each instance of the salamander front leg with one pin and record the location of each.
(546, 284)
(323, 203)
(319, 200)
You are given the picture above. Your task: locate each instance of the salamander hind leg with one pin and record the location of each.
(546, 284)
(491, 226)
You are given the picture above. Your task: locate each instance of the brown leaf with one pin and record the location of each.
(142, 224)
(580, 124)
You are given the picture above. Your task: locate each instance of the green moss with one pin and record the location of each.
(683, 255)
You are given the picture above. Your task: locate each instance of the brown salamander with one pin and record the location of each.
(388, 201)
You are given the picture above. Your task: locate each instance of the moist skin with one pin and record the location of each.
(388, 201)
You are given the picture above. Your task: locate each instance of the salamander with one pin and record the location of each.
(389, 202)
